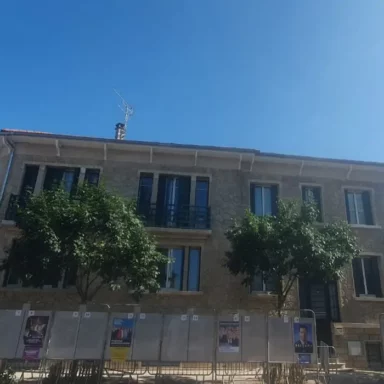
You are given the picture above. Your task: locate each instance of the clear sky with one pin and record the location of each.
(301, 77)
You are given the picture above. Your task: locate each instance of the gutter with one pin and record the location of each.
(11, 152)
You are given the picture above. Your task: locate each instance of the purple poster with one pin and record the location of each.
(31, 353)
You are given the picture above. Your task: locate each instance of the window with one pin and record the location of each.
(56, 176)
(201, 203)
(172, 274)
(194, 269)
(264, 199)
(92, 176)
(263, 284)
(145, 193)
(367, 276)
(67, 279)
(312, 194)
(359, 210)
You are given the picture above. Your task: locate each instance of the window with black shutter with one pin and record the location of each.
(56, 177)
(359, 207)
(264, 199)
(312, 194)
(92, 176)
(366, 275)
(145, 194)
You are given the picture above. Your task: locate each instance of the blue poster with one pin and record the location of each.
(122, 330)
(303, 337)
(304, 358)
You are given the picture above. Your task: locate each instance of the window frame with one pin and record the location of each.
(252, 184)
(185, 267)
(264, 290)
(361, 257)
(315, 185)
(371, 193)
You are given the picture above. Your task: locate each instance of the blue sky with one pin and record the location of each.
(298, 77)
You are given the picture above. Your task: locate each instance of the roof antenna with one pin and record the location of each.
(121, 128)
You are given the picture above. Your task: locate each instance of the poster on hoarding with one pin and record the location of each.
(303, 338)
(35, 331)
(122, 330)
(229, 336)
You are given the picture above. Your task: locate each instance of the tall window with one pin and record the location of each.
(57, 176)
(145, 193)
(194, 269)
(92, 176)
(172, 274)
(312, 194)
(367, 276)
(201, 202)
(359, 208)
(262, 283)
(264, 199)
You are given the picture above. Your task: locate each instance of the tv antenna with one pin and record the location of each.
(128, 112)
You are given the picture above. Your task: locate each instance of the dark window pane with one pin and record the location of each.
(372, 277)
(270, 284)
(29, 179)
(334, 302)
(194, 269)
(358, 277)
(259, 201)
(66, 177)
(267, 201)
(257, 283)
(162, 277)
(145, 193)
(202, 190)
(92, 176)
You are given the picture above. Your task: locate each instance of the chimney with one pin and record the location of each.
(120, 131)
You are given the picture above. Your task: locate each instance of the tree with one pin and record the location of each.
(91, 236)
(289, 246)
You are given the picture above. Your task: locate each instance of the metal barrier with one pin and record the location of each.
(88, 347)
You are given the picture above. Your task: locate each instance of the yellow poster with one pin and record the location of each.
(119, 353)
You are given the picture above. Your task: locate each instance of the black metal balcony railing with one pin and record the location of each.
(172, 216)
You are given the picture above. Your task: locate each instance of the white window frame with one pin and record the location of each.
(262, 196)
(169, 270)
(354, 193)
(366, 294)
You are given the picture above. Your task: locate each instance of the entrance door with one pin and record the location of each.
(323, 300)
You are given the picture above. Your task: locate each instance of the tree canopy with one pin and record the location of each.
(92, 237)
(289, 246)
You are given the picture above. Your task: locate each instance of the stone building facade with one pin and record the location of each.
(219, 184)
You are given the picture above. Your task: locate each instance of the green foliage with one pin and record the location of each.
(289, 246)
(93, 232)
(7, 376)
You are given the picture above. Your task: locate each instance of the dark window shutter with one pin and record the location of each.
(372, 276)
(252, 196)
(257, 283)
(160, 202)
(317, 196)
(274, 193)
(145, 193)
(347, 206)
(184, 183)
(270, 284)
(29, 179)
(358, 276)
(75, 180)
(367, 208)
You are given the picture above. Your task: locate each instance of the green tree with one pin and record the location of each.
(289, 246)
(91, 235)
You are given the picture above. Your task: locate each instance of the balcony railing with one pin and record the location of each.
(172, 216)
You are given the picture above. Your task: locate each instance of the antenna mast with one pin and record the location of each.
(127, 109)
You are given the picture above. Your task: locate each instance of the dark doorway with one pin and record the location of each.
(374, 358)
(323, 299)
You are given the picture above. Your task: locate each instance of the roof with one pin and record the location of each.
(249, 151)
